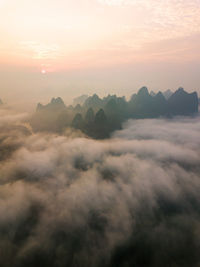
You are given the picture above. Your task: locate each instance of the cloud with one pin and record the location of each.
(131, 200)
(40, 50)
(162, 19)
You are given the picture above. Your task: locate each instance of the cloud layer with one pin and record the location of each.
(132, 200)
(163, 19)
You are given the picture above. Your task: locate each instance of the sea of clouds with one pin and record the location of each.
(132, 200)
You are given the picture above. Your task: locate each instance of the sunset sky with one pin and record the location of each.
(67, 48)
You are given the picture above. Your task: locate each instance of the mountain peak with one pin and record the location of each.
(95, 96)
(159, 94)
(183, 103)
(143, 91)
(93, 101)
(180, 90)
(57, 100)
(39, 106)
(160, 97)
(167, 93)
(80, 100)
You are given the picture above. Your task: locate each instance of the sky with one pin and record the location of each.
(67, 48)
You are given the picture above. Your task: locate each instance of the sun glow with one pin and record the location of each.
(74, 32)
(96, 39)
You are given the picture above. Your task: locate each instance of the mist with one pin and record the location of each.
(132, 200)
(19, 83)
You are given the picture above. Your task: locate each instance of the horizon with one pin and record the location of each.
(47, 99)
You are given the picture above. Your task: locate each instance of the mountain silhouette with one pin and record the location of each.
(98, 117)
(89, 117)
(80, 100)
(183, 103)
(55, 104)
(167, 93)
(93, 102)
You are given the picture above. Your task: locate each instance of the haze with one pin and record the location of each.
(99, 133)
(66, 48)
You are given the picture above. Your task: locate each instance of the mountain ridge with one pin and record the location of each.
(112, 110)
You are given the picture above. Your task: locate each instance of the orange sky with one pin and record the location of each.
(98, 38)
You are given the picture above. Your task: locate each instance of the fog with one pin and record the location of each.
(18, 84)
(132, 200)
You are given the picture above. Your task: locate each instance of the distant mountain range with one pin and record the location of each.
(98, 117)
(166, 93)
(80, 100)
(55, 104)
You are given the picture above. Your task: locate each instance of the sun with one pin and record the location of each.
(43, 71)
